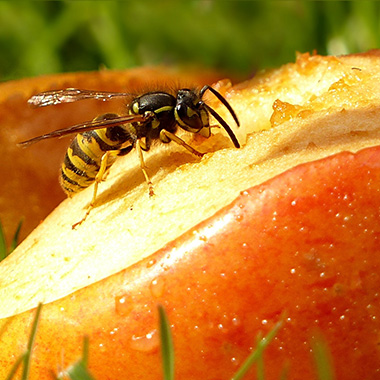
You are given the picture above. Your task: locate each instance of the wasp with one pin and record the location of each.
(152, 116)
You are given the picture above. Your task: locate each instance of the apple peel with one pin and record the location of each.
(305, 243)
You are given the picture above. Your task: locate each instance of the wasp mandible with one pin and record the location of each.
(152, 116)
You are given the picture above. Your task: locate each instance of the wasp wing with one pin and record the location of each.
(69, 95)
(88, 126)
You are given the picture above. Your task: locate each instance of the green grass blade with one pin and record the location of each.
(167, 349)
(260, 361)
(16, 237)
(257, 354)
(85, 350)
(322, 359)
(79, 371)
(3, 244)
(32, 337)
(15, 366)
(284, 372)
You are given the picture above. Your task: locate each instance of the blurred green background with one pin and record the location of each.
(41, 37)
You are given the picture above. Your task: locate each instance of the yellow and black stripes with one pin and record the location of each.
(83, 159)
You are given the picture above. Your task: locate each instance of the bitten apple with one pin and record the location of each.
(286, 227)
(30, 187)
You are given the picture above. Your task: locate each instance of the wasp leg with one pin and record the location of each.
(99, 178)
(140, 146)
(166, 136)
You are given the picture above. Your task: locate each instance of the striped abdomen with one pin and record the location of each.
(83, 157)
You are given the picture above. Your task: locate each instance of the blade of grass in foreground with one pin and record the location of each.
(260, 361)
(3, 244)
(322, 359)
(32, 337)
(25, 357)
(79, 370)
(4, 252)
(257, 354)
(15, 366)
(167, 349)
(86, 350)
(14, 242)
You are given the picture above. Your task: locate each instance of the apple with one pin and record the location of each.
(284, 228)
(31, 175)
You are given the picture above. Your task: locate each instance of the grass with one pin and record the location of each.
(322, 358)
(80, 371)
(167, 349)
(77, 371)
(4, 250)
(24, 359)
(42, 37)
(257, 355)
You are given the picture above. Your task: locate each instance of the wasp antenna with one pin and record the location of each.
(224, 125)
(223, 100)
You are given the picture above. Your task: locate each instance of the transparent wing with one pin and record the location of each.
(88, 126)
(69, 95)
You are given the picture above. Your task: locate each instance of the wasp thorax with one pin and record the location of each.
(156, 102)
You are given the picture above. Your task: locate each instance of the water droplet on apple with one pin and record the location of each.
(235, 361)
(102, 347)
(236, 321)
(157, 287)
(114, 331)
(122, 306)
(145, 343)
(151, 263)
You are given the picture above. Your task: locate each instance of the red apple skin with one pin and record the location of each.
(303, 247)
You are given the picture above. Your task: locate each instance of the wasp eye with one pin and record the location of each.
(135, 107)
